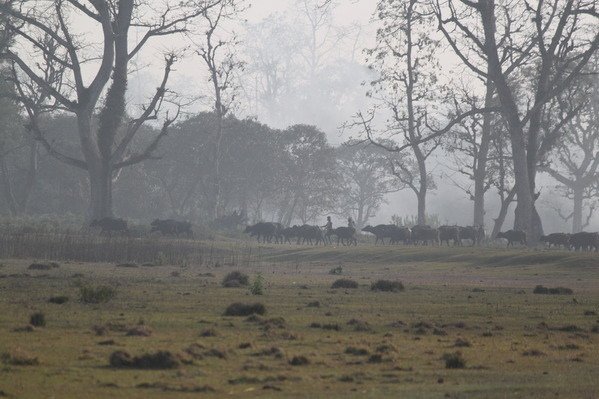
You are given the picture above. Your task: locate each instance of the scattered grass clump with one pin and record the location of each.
(344, 283)
(352, 350)
(37, 319)
(331, 326)
(257, 287)
(209, 332)
(539, 289)
(139, 331)
(454, 360)
(388, 286)
(58, 300)
(299, 361)
(533, 353)
(236, 279)
(44, 266)
(462, 343)
(244, 309)
(336, 271)
(96, 294)
(160, 360)
(19, 358)
(313, 304)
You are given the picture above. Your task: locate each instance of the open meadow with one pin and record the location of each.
(465, 325)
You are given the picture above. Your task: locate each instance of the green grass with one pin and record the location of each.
(482, 296)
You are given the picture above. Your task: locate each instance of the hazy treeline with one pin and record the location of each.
(522, 103)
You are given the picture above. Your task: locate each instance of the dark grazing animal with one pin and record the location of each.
(110, 225)
(556, 240)
(513, 236)
(400, 234)
(264, 230)
(584, 241)
(307, 233)
(345, 235)
(422, 234)
(447, 233)
(381, 232)
(170, 227)
(476, 234)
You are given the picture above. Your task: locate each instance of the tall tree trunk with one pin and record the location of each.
(480, 172)
(505, 205)
(100, 191)
(577, 213)
(422, 190)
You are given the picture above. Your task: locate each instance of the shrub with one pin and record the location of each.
(387, 285)
(299, 361)
(99, 294)
(236, 279)
(157, 361)
(139, 331)
(19, 358)
(37, 319)
(539, 289)
(243, 309)
(454, 360)
(257, 287)
(351, 350)
(43, 266)
(344, 283)
(336, 270)
(59, 300)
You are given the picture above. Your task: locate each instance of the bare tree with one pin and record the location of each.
(219, 57)
(546, 45)
(97, 96)
(574, 163)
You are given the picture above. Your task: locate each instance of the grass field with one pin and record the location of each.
(351, 342)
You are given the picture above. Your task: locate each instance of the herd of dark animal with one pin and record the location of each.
(269, 232)
(168, 227)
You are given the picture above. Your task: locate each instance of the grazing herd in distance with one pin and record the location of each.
(271, 232)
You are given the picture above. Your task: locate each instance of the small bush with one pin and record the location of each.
(344, 283)
(539, 289)
(95, 295)
(257, 287)
(139, 331)
(313, 304)
(19, 358)
(454, 360)
(387, 285)
(154, 361)
(336, 270)
(236, 279)
(462, 343)
(243, 309)
(37, 319)
(209, 332)
(351, 350)
(533, 352)
(299, 361)
(43, 266)
(58, 300)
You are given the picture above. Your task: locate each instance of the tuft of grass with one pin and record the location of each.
(96, 294)
(257, 287)
(462, 343)
(454, 360)
(58, 300)
(19, 358)
(344, 283)
(539, 289)
(352, 350)
(533, 353)
(388, 286)
(139, 331)
(37, 319)
(299, 361)
(160, 360)
(243, 309)
(44, 266)
(236, 279)
(336, 271)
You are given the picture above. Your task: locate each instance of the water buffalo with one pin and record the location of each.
(556, 240)
(110, 225)
(170, 227)
(422, 234)
(381, 231)
(400, 234)
(513, 236)
(265, 231)
(345, 233)
(584, 241)
(476, 234)
(307, 233)
(447, 233)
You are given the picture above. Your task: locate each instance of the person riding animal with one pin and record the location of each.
(328, 229)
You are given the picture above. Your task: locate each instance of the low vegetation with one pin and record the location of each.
(344, 283)
(96, 294)
(243, 309)
(387, 285)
